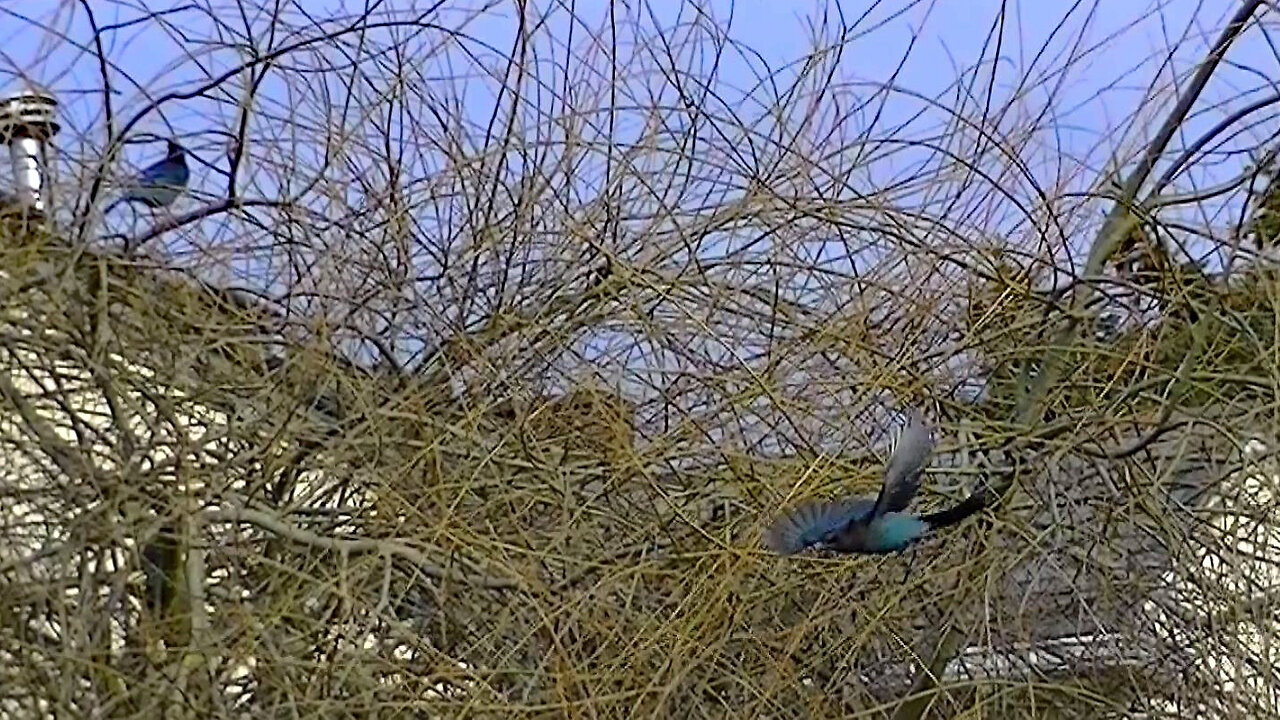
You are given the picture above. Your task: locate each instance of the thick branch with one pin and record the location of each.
(296, 534)
(71, 462)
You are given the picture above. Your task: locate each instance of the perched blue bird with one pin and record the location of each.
(863, 525)
(161, 183)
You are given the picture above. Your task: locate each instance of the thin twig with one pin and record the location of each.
(1114, 228)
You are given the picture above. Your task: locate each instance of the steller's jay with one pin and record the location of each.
(161, 183)
(863, 525)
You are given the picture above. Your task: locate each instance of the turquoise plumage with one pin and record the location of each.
(863, 525)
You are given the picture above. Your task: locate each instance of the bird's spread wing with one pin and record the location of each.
(813, 522)
(903, 471)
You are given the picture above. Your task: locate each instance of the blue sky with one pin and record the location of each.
(1078, 73)
(48, 42)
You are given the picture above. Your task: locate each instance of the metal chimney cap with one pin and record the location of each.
(30, 115)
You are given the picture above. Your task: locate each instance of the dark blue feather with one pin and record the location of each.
(160, 184)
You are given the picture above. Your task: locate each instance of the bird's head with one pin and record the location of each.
(176, 151)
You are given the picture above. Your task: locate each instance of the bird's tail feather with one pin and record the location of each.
(952, 515)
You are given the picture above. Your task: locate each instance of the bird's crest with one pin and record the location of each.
(176, 151)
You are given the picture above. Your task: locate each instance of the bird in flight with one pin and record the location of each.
(872, 526)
